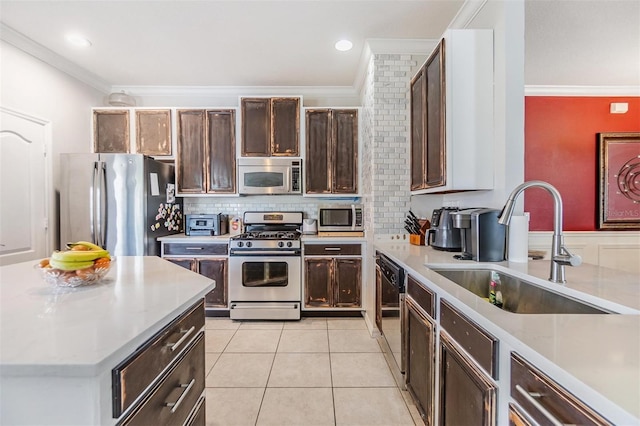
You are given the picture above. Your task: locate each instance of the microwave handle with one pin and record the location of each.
(353, 216)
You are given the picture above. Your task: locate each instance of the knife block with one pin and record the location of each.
(419, 239)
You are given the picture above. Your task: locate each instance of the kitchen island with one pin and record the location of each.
(58, 346)
(596, 357)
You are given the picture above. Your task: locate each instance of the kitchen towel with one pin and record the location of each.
(518, 238)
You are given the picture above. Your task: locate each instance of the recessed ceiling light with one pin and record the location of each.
(344, 45)
(78, 40)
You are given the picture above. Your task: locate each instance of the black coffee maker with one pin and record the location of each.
(483, 238)
(442, 235)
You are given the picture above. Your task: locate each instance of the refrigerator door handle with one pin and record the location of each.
(93, 208)
(102, 217)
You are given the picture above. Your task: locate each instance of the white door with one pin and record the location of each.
(24, 183)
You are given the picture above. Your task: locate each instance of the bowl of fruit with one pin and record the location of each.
(81, 264)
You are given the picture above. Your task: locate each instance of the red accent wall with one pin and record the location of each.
(561, 148)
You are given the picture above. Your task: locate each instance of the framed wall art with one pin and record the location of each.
(619, 181)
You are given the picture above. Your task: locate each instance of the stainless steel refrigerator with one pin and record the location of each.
(121, 202)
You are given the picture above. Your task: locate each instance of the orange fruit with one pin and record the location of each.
(44, 263)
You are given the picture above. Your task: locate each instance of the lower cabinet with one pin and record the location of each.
(333, 283)
(544, 400)
(334, 278)
(206, 263)
(162, 382)
(467, 395)
(421, 360)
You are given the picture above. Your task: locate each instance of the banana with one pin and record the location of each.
(79, 256)
(91, 246)
(69, 266)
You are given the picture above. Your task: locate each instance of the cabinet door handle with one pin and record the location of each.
(174, 405)
(175, 345)
(332, 248)
(531, 397)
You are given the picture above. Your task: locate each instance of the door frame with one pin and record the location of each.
(48, 173)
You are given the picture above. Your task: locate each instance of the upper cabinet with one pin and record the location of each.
(270, 127)
(206, 161)
(452, 115)
(132, 130)
(331, 151)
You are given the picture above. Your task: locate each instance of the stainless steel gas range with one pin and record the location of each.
(265, 267)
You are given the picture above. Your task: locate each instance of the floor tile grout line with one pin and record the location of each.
(266, 385)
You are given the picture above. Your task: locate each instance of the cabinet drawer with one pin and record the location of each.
(194, 249)
(174, 398)
(422, 295)
(136, 373)
(197, 417)
(332, 249)
(482, 346)
(542, 398)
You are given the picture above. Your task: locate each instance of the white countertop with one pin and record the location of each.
(49, 331)
(594, 356)
(182, 237)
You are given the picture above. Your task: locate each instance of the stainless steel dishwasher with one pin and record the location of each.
(392, 314)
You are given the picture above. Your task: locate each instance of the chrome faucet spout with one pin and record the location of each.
(560, 256)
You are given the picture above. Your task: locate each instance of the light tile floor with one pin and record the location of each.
(317, 371)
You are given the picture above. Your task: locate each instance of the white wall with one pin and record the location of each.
(506, 18)
(30, 86)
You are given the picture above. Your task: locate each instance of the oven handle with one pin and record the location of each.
(266, 253)
(264, 306)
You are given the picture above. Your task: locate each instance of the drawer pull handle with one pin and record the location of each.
(194, 248)
(175, 345)
(174, 405)
(531, 397)
(332, 248)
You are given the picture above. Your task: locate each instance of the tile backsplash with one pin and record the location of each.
(236, 206)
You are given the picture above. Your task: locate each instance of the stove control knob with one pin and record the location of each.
(289, 244)
(240, 243)
(280, 244)
(248, 243)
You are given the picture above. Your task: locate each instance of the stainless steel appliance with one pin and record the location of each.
(442, 235)
(269, 176)
(341, 218)
(483, 238)
(265, 267)
(121, 202)
(206, 224)
(393, 315)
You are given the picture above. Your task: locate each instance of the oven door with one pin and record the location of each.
(270, 278)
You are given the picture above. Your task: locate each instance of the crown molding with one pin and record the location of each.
(531, 90)
(466, 14)
(18, 40)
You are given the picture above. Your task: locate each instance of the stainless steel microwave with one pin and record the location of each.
(269, 176)
(344, 218)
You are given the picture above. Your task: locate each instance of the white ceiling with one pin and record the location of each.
(290, 42)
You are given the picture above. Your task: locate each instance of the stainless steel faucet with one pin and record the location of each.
(560, 256)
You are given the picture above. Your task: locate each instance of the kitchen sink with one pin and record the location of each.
(518, 296)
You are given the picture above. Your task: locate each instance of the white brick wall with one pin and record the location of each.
(386, 106)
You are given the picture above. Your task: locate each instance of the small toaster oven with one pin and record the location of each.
(205, 224)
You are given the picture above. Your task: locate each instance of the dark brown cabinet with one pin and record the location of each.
(467, 395)
(331, 151)
(215, 269)
(428, 142)
(544, 400)
(206, 162)
(270, 127)
(452, 130)
(153, 132)
(199, 258)
(421, 366)
(333, 281)
(111, 131)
